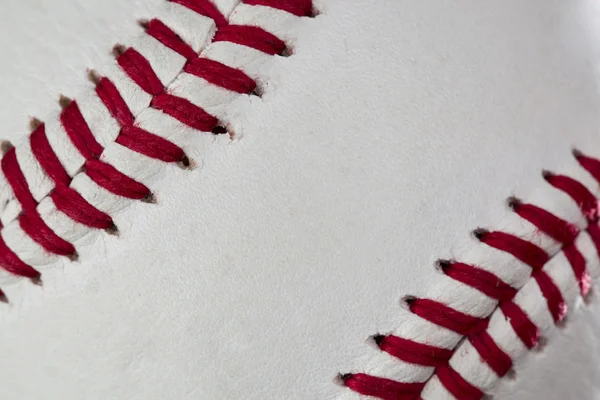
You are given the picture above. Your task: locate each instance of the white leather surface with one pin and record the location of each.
(394, 129)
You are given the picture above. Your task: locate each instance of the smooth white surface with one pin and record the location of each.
(393, 130)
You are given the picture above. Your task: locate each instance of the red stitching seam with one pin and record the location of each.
(138, 68)
(474, 329)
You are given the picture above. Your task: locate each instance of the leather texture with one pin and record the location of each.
(394, 129)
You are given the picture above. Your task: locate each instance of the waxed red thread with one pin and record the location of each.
(208, 9)
(16, 179)
(138, 68)
(442, 315)
(522, 325)
(251, 36)
(302, 8)
(185, 111)
(456, 384)
(220, 74)
(415, 353)
(33, 225)
(161, 32)
(474, 329)
(482, 280)
(46, 157)
(79, 132)
(382, 388)
(489, 351)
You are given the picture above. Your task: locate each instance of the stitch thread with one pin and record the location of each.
(382, 388)
(147, 77)
(478, 329)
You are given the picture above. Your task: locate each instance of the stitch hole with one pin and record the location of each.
(219, 130)
(149, 198)
(511, 374)
(480, 234)
(118, 50)
(341, 378)
(547, 175)
(541, 344)
(562, 324)
(442, 265)
(406, 301)
(314, 12)
(74, 257)
(186, 163)
(513, 203)
(576, 153)
(3, 298)
(374, 341)
(378, 339)
(589, 296)
(34, 123)
(112, 230)
(64, 101)
(287, 52)
(258, 92)
(5, 146)
(37, 280)
(93, 77)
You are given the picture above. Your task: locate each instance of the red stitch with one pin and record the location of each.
(484, 281)
(413, 352)
(221, 75)
(475, 330)
(457, 385)
(11, 263)
(491, 353)
(150, 144)
(385, 389)
(444, 316)
(114, 181)
(30, 221)
(558, 229)
(585, 200)
(110, 96)
(523, 250)
(590, 207)
(300, 8)
(185, 111)
(206, 8)
(556, 303)
(45, 156)
(78, 209)
(33, 225)
(79, 132)
(161, 32)
(16, 180)
(251, 36)
(140, 71)
(521, 324)
(591, 165)
(594, 232)
(578, 265)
